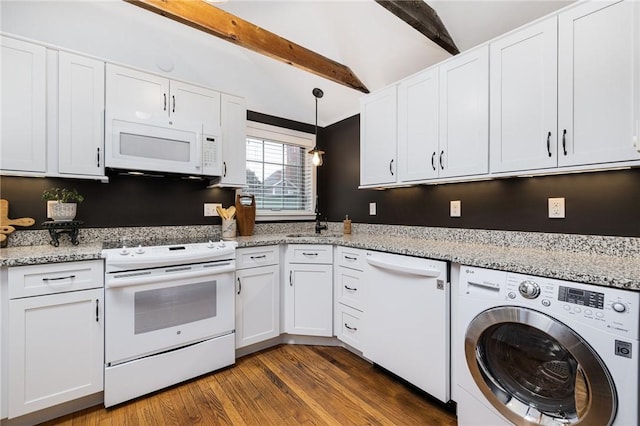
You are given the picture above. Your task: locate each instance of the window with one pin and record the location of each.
(279, 172)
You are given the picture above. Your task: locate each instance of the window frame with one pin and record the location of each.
(292, 137)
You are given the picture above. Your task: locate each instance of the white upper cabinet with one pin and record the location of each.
(599, 83)
(418, 143)
(80, 115)
(136, 96)
(234, 141)
(194, 104)
(464, 114)
(378, 138)
(22, 107)
(523, 81)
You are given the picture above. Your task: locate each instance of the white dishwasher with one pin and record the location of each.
(408, 328)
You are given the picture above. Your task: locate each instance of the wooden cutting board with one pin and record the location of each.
(245, 214)
(5, 222)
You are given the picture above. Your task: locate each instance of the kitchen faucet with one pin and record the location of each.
(319, 226)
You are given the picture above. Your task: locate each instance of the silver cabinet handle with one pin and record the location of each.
(350, 288)
(239, 285)
(350, 328)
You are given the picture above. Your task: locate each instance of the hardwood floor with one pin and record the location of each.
(285, 385)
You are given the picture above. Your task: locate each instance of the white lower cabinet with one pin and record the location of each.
(55, 340)
(257, 295)
(350, 296)
(308, 290)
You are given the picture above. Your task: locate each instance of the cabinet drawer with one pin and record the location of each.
(35, 280)
(257, 256)
(348, 327)
(348, 288)
(350, 258)
(309, 253)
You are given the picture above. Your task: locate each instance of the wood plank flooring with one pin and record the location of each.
(284, 385)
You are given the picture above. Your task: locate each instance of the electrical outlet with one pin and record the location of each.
(556, 208)
(210, 209)
(372, 209)
(455, 208)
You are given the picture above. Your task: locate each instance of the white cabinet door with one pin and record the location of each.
(194, 106)
(308, 299)
(80, 115)
(136, 96)
(55, 349)
(418, 127)
(257, 305)
(378, 138)
(599, 79)
(22, 106)
(524, 99)
(234, 141)
(464, 114)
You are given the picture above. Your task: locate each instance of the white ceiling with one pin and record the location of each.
(378, 47)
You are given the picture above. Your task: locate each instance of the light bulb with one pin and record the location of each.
(316, 159)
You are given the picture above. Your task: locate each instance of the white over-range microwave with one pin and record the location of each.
(147, 147)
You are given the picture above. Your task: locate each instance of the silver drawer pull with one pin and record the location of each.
(70, 277)
(350, 288)
(350, 328)
(262, 256)
(352, 259)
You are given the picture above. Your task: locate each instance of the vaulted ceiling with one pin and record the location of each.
(376, 45)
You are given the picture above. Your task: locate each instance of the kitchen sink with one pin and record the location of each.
(313, 235)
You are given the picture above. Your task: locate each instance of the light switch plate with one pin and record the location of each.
(455, 208)
(372, 209)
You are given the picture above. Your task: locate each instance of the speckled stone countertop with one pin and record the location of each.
(605, 261)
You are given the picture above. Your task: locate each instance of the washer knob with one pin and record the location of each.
(529, 289)
(618, 307)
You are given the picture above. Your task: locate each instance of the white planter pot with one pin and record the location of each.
(61, 212)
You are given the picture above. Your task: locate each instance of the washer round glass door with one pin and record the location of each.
(535, 370)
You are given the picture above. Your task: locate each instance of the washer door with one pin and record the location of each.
(537, 371)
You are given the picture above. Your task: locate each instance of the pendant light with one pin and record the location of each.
(317, 154)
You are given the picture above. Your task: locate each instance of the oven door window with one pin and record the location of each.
(168, 307)
(535, 369)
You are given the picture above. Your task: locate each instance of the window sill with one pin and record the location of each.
(283, 216)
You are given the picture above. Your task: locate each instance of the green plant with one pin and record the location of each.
(63, 195)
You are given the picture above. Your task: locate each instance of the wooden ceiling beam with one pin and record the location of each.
(212, 20)
(423, 18)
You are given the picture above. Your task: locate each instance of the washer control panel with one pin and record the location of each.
(607, 308)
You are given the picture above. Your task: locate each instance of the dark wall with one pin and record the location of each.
(124, 201)
(602, 203)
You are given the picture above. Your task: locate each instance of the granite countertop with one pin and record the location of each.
(599, 269)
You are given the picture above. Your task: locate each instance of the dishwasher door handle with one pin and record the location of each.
(424, 272)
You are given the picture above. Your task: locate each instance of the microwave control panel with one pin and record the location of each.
(210, 155)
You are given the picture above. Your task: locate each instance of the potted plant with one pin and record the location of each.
(62, 203)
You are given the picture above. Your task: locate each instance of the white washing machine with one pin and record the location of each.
(539, 351)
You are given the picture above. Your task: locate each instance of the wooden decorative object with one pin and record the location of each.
(245, 214)
(6, 227)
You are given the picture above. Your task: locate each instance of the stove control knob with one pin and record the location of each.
(529, 289)
(619, 307)
(139, 250)
(124, 251)
(211, 244)
(222, 244)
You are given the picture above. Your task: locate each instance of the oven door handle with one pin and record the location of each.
(113, 282)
